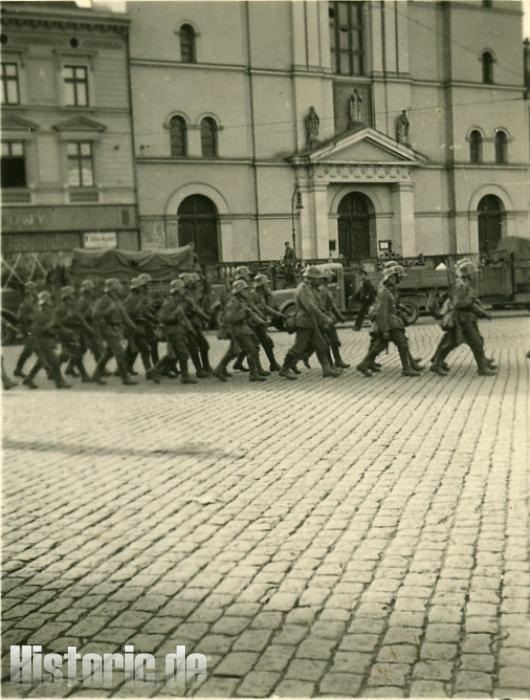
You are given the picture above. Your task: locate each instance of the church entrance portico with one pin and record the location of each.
(356, 191)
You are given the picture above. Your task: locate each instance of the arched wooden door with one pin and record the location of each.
(198, 223)
(490, 220)
(355, 218)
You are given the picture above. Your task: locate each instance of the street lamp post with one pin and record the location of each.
(296, 203)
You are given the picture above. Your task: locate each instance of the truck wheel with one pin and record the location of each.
(411, 312)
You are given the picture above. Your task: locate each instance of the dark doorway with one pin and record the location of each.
(198, 223)
(355, 222)
(490, 219)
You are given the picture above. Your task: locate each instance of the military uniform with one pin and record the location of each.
(199, 346)
(111, 320)
(44, 334)
(177, 329)
(366, 296)
(309, 320)
(138, 309)
(328, 306)
(388, 326)
(465, 309)
(240, 321)
(70, 326)
(25, 314)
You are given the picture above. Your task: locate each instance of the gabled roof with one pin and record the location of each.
(79, 124)
(364, 145)
(11, 122)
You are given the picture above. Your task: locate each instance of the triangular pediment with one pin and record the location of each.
(10, 122)
(366, 145)
(79, 124)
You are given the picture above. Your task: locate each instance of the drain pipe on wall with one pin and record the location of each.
(253, 129)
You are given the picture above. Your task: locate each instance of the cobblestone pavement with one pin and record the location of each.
(355, 537)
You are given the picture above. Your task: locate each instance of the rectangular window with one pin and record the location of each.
(80, 164)
(13, 164)
(346, 36)
(10, 87)
(75, 86)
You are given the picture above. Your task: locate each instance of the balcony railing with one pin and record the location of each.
(10, 196)
(83, 195)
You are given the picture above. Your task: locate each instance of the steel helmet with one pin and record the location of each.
(466, 267)
(312, 272)
(30, 286)
(261, 280)
(195, 277)
(136, 283)
(44, 297)
(145, 277)
(243, 271)
(326, 273)
(394, 270)
(389, 264)
(67, 291)
(238, 286)
(176, 286)
(112, 285)
(87, 285)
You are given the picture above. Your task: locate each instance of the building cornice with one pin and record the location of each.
(50, 19)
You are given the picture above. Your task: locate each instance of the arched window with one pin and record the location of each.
(487, 67)
(208, 137)
(178, 136)
(491, 217)
(475, 146)
(501, 147)
(187, 44)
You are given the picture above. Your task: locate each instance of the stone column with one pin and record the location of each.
(403, 225)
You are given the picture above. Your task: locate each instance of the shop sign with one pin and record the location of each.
(100, 239)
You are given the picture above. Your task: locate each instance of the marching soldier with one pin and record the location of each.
(264, 303)
(90, 339)
(110, 319)
(71, 324)
(327, 303)
(310, 320)
(259, 328)
(464, 312)
(240, 320)
(137, 307)
(25, 314)
(197, 319)
(177, 329)
(366, 295)
(44, 332)
(389, 325)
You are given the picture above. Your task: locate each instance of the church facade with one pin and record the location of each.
(351, 128)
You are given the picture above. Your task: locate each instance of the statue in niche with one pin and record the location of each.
(312, 124)
(355, 110)
(402, 128)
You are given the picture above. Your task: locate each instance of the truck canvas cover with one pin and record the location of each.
(520, 247)
(163, 265)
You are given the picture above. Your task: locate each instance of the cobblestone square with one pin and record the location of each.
(340, 537)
